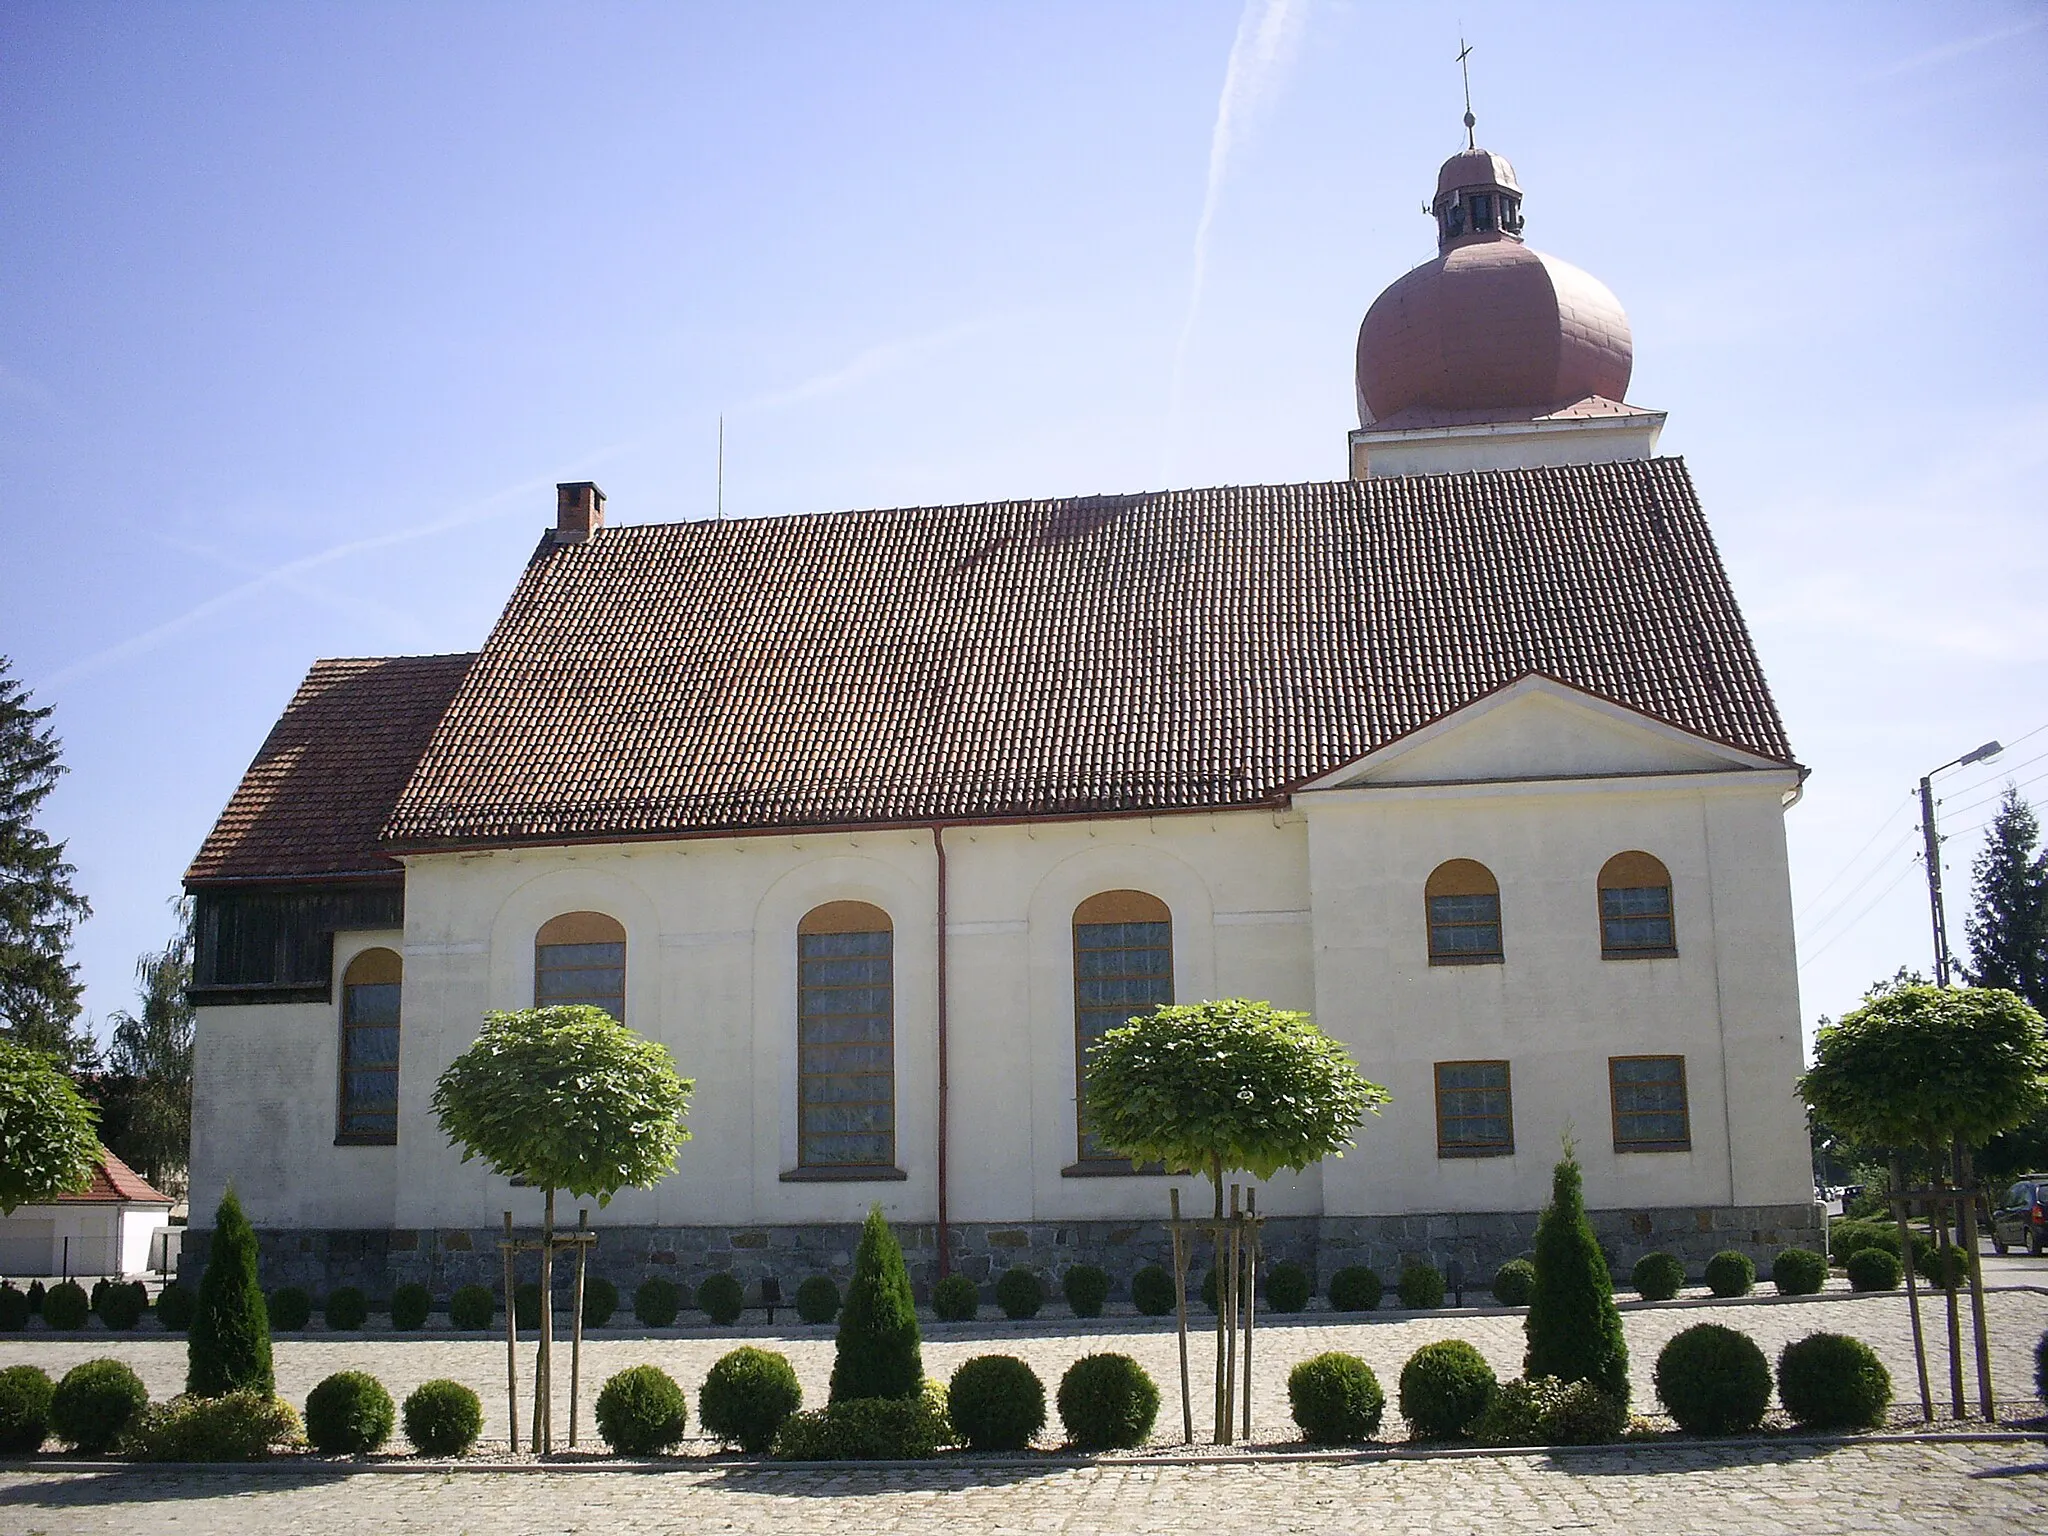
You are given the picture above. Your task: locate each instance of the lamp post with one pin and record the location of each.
(1988, 750)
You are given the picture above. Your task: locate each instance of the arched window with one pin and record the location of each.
(1123, 966)
(580, 957)
(1463, 903)
(370, 990)
(1635, 908)
(846, 1037)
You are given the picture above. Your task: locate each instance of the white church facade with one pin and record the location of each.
(876, 819)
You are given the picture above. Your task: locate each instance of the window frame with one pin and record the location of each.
(1446, 1149)
(829, 918)
(344, 1136)
(1684, 1110)
(1462, 872)
(1120, 907)
(579, 930)
(1632, 871)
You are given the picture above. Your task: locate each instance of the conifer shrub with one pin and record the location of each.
(1873, 1269)
(1445, 1387)
(657, 1301)
(600, 1301)
(1108, 1402)
(817, 1299)
(175, 1305)
(290, 1308)
(472, 1307)
(347, 1309)
(349, 1414)
(996, 1403)
(1019, 1293)
(237, 1426)
(35, 1297)
(526, 1303)
(1657, 1276)
(1209, 1291)
(1714, 1381)
(411, 1304)
(1152, 1291)
(721, 1298)
(229, 1345)
(14, 1310)
(1831, 1381)
(1731, 1273)
(1421, 1286)
(66, 1307)
(1356, 1288)
(1581, 1413)
(1798, 1272)
(1336, 1399)
(99, 1293)
(1288, 1287)
(1086, 1288)
(443, 1418)
(121, 1307)
(26, 1392)
(747, 1395)
(877, 1349)
(1573, 1326)
(94, 1404)
(865, 1429)
(642, 1412)
(1514, 1282)
(955, 1299)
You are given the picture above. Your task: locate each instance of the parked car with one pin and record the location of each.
(2023, 1218)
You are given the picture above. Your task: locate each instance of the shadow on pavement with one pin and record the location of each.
(796, 1480)
(143, 1485)
(1669, 1457)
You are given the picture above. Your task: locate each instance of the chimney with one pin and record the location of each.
(579, 511)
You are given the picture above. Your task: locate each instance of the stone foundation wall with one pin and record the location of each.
(321, 1259)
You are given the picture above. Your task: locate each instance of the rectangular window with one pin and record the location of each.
(369, 1054)
(592, 974)
(1650, 1113)
(1464, 930)
(846, 1079)
(1121, 970)
(1474, 1109)
(1636, 920)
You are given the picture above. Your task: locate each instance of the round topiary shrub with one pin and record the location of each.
(66, 1308)
(955, 1299)
(641, 1411)
(657, 1301)
(1086, 1288)
(1799, 1272)
(99, 1290)
(95, 1402)
(1421, 1287)
(747, 1395)
(1355, 1289)
(1288, 1287)
(35, 1297)
(1831, 1381)
(1714, 1381)
(174, 1307)
(1730, 1273)
(349, 1414)
(1444, 1388)
(600, 1301)
(14, 1310)
(443, 1418)
(1657, 1276)
(25, 1395)
(817, 1299)
(410, 1304)
(1513, 1283)
(290, 1308)
(1336, 1399)
(1873, 1269)
(721, 1298)
(347, 1309)
(996, 1403)
(1019, 1293)
(1107, 1402)
(471, 1307)
(121, 1307)
(526, 1303)
(1152, 1291)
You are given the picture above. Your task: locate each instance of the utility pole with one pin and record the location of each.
(1932, 840)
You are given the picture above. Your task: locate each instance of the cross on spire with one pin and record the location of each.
(1465, 69)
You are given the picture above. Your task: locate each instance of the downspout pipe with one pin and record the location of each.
(944, 1233)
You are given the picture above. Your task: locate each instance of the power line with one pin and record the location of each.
(1971, 805)
(1876, 870)
(1889, 817)
(2004, 773)
(1867, 910)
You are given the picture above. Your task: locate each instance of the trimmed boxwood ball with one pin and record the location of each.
(290, 1308)
(1086, 1288)
(66, 1308)
(1019, 1293)
(1288, 1287)
(1421, 1287)
(94, 1403)
(471, 1307)
(817, 1299)
(1799, 1272)
(1445, 1386)
(174, 1306)
(526, 1303)
(1152, 1291)
(747, 1395)
(1513, 1283)
(600, 1301)
(347, 1309)
(1657, 1276)
(1872, 1269)
(1714, 1381)
(721, 1298)
(1730, 1273)
(1355, 1288)
(25, 1394)
(656, 1301)
(955, 1299)
(1336, 1399)
(410, 1304)
(996, 1403)
(121, 1307)
(1831, 1381)
(443, 1418)
(642, 1412)
(13, 1309)
(349, 1414)
(1107, 1403)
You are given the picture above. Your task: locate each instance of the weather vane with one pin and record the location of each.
(1465, 69)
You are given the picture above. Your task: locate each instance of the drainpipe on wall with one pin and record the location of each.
(945, 1244)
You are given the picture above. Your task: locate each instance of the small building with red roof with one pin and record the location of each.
(106, 1228)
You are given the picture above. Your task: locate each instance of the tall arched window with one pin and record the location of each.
(1123, 966)
(370, 992)
(1463, 903)
(1635, 908)
(580, 957)
(846, 1037)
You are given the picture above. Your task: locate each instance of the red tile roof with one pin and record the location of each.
(114, 1181)
(314, 799)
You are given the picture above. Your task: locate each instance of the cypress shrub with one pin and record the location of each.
(1421, 1287)
(410, 1305)
(25, 1395)
(1445, 1387)
(1086, 1288)
(817, 1299)
(877, 1352)
(1336, 1399)
(121, 1307)
(642, 1412)
(600, 1301)
(996, 1403)
(1152, 1291)
(746, 1397)
(1714, 1381)
(721, 1298)
(347, 1309)
(1108, 1402)
(1730, 1273)
(656, 1301)
(35, 1297)
(1657, 1276)
(95, 1403)
(1355, 1288)
(1831, 1381)
(1799, 1272)
(1573, 1325)
(955, 1299)
(290, 1308)
(13, 1309)
(349, 1414)
(174, 1308)
(1873, 1269)
(1514, 1282)
(472, 1307)
(66, 1307)
(443, 1418)
(1019, 1293)
(1288, 1287)
(229, 1348)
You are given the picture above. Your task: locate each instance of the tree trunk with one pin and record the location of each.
(1222, 1392)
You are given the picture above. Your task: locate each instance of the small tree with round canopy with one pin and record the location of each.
(49, 1131)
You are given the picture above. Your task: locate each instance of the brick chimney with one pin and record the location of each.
(579, 511)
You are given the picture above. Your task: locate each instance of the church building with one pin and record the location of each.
(877, 819)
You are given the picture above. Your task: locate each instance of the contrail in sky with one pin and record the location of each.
(1267, 33)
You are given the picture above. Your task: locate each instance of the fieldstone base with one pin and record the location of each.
(322, 1259)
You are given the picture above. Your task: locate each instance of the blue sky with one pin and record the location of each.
(307, 308)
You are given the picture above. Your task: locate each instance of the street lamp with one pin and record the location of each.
(1990, 749)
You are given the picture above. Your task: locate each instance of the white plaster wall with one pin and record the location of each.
(138, 1225)
(106, 1238)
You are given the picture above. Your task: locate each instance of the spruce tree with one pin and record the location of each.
(39, 986)
(228, 1347)
(1573, 1325)
(2008, 920)
(878, 1339)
